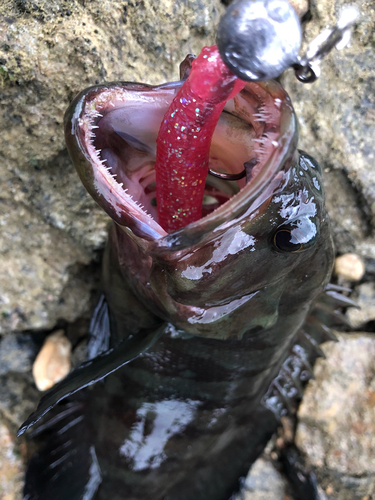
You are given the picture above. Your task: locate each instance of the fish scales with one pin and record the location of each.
(228, 296)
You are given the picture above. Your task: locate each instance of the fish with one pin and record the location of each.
(204, 336)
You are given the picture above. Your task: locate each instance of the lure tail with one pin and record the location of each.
(184, 139)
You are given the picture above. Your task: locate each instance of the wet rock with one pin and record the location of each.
(365, 298)
(337, 125)
(336, 427)
(349, 267)
(49, 51)
(11, 466)
(52, 363)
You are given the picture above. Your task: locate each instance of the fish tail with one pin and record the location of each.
(65, 467)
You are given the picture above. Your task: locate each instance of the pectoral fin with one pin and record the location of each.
(92, 371)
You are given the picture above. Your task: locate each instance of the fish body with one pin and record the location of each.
(231, 297)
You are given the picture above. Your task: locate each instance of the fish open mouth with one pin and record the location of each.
(111, 134)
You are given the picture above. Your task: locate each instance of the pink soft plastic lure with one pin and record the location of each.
(184, 139)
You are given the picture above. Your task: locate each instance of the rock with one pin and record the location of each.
(300, 6)
(17, 352)
(336, 427)
(263, 482)
(11, 466)
(349, 227)
(49, 51)
(18, 397)
(349, 267)
(365, 298)
(53, 361)
(337, 126)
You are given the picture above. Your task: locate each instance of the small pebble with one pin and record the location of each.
(52, 363)
(350, 266)
(300, 6)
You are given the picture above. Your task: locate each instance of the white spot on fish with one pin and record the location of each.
(233, 241)
(205, 316)
(165, 418)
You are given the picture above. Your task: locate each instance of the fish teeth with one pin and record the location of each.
(113, 177)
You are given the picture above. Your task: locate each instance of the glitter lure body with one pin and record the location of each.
(184, 139)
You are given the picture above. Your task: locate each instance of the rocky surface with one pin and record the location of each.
(337, 125)
(264, 482)
(52, 233)
(11, 466)
(336, 427)
(365, 298)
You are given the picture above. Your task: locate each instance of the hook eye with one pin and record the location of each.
(305, 74)
(228, 177)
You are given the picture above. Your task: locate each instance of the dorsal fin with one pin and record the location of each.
(285, 391)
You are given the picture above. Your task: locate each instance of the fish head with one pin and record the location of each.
(262, 247)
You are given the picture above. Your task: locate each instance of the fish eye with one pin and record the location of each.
(297, 236)
(284, 241)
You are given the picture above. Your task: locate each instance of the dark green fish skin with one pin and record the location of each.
(187, 418)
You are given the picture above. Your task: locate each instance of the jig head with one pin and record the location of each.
(260, 39)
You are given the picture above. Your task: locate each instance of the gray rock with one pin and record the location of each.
(365, 298)
(18, 397)
(336, 427)
(263, 482)
(337, 125)
(11, 466)
(17, 353)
